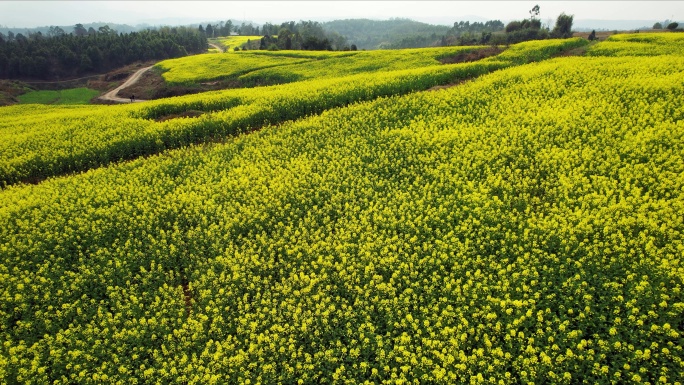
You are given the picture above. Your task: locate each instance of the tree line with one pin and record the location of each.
(667, 24)
(516, 31)
(532, 29)
(405, 33)
(303, 35)
(58, 55)
(467, 33)
(387, 34)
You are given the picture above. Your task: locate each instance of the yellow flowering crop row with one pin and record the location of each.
(230, 42)
(524, 227)
(350, 63)
(298, 65)
(640, 44)
(200, 68)
(38, 142)
(272, 67)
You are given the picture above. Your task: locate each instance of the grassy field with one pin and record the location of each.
(70, 96)
(521, 227)
(640, 44)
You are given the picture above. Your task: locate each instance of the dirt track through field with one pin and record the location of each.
(217, 47)
(111, 95)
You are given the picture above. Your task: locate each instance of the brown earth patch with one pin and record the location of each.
(185, 114)
(152, 85)
(471, 56)
(445, 86)
(145, 87)
(9, 90)
(187, 297)
(579, 51)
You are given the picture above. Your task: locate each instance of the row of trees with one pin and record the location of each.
(334, 35)
(669, 25)
(59, 55)
(220, 29)
(531, 29)
(303, 35)
(466, 33)
(228, 28)
(387, 34)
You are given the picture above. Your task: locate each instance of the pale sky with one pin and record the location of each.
(45, 13)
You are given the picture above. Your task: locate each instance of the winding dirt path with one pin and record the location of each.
(217, 47)
(111, 95)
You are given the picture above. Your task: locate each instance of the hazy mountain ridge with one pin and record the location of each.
(347, 27)
(373, 34)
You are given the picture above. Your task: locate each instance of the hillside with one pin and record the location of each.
(521, 227)
(393, 33)
(56, 141)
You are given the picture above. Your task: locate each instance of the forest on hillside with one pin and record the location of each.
(393, 33)
(302, 35)
(60, 55)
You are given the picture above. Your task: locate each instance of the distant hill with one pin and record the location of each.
(611, 25)
(393, 33)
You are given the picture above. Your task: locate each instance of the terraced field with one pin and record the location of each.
(522, 227)
(288, 66)
(61, 140)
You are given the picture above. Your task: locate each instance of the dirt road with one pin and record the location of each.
(217, 47)
(111, 95)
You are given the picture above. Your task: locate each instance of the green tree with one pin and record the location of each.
(227, 28)
(80, 30)
(563, 28)
(246, 29)
(86, 64)
(657, 26)
(55, 31)
(67, 58)
(105, 30)
(672, 26)
(3, 63)
(513, 26)
(95, 56)
(285, 38)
